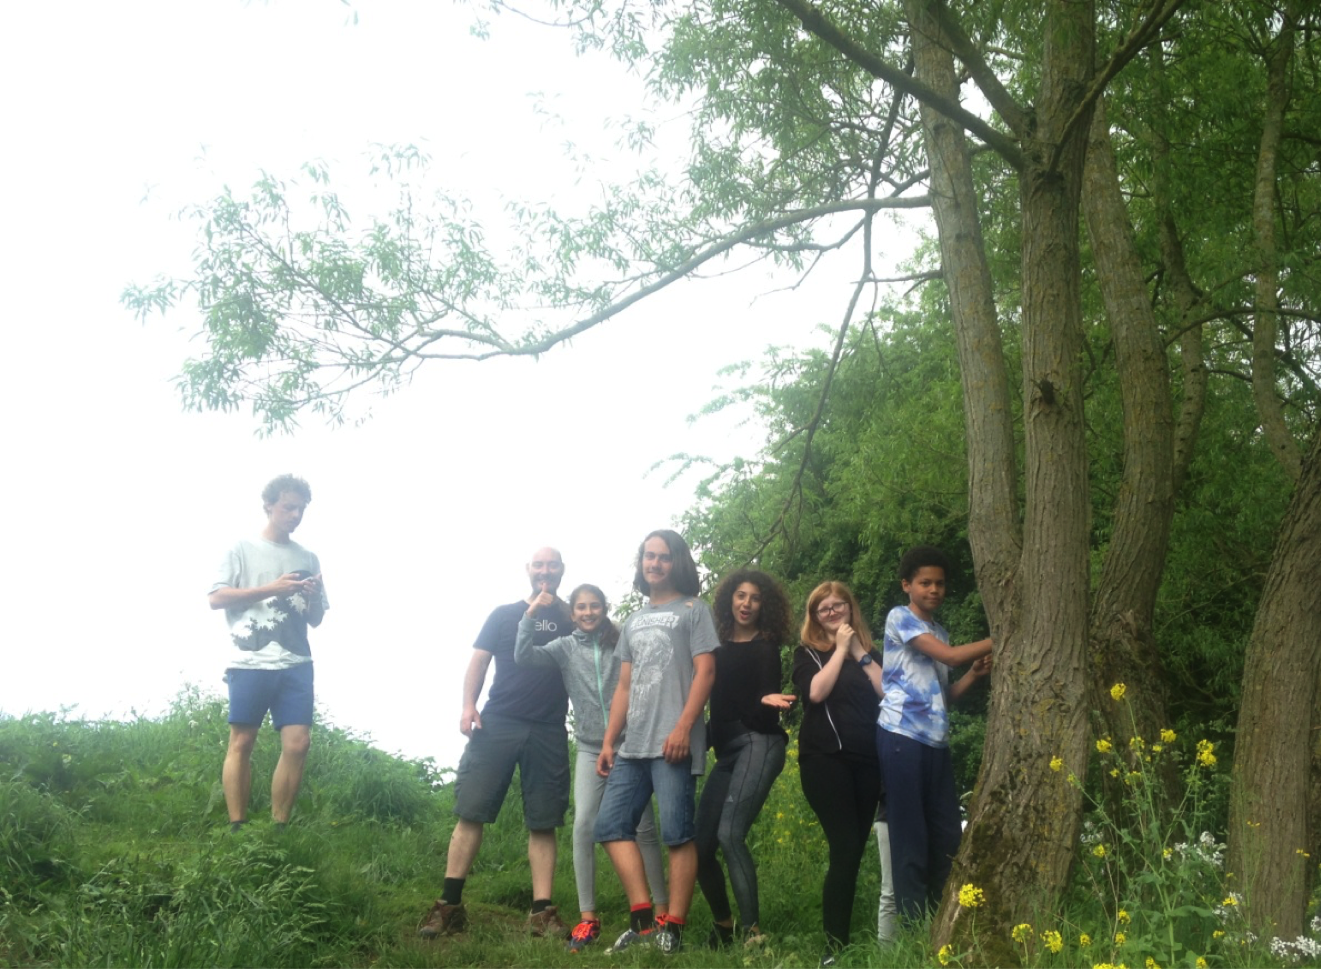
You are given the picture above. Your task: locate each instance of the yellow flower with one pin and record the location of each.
(1152, 963)
(1084, 941)
(1136, 743)
(970, 896)
(1103, 746)
(1206, 753)
(1229, 901)
(1022, 932)
(1218, 933)
(1120, 938)
(1168, 736)
(1117, 691)
(1300, 851)
(1072, 779)
(1056, 763)
(945, 954)
(1167, 853)
(1052, 940)
(1200, 963)
(1114, 772)
(1099, 851)
(1156, 748)
(1122, 917)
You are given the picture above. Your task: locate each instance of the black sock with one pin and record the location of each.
(540, 905)
(452, 893)
(675, 926)
(724, 932)
(640, 919)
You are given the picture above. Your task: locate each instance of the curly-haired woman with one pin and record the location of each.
(754, 619)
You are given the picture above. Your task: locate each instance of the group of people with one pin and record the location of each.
(874, 721)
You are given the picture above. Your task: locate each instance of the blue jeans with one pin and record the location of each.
(628, 791)
(925, 827)
(731, 800)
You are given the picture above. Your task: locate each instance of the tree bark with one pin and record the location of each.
(1266, 324)
(1023, 822)
(1123, 647)
(1269, 833)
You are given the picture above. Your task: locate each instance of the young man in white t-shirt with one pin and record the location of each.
(270, 588)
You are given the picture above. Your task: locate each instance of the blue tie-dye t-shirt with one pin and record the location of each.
(915, 703)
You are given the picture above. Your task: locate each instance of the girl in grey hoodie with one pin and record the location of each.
(587, 661)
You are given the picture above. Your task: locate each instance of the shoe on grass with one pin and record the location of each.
(667, 938)
(547, 924)
(443, 919)
(632, 938)
(584, 934)
(720, 936)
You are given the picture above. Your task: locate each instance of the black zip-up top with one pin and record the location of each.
(845, 722)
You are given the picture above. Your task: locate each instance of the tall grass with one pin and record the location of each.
(114, 851)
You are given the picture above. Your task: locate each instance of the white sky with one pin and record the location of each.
(120, 505)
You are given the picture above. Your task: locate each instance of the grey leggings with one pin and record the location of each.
(588, 786)
(731, 800)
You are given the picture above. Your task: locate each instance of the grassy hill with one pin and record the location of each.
(114, 851)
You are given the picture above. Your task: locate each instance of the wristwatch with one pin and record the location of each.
(866, 660)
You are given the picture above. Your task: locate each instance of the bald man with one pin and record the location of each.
(521, 725)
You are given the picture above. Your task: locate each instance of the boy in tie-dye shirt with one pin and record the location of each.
(912, 733)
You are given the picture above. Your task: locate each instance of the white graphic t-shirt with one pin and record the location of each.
(270, 634)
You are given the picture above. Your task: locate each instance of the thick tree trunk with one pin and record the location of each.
(1270, 840)
(1124, 602)
(1023, 822)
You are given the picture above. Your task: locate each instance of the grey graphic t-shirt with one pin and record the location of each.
(270, 634)
(660, 642)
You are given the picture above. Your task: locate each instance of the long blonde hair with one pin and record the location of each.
(814, 634)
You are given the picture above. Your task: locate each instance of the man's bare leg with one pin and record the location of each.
(464, 845)
(295, 739)
(236, 775)
(683, 876)
(627, 859)
(541, 858)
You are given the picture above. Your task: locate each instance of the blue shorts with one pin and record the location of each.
(286, 693)
(628, 791)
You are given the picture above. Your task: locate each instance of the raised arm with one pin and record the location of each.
(981, 667)
(526, 651)
(950, 655)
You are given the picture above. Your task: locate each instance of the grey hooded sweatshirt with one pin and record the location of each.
(590, 671)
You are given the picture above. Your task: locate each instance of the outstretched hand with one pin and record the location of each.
(780, 701)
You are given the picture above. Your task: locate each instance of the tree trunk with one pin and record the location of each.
(1270, 840)
(1023, 822)
(1124, 602)
(1266, 324)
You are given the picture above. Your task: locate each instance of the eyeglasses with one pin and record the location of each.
(837, 609)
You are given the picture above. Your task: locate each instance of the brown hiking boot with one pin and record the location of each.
(443, 919)
(547, 923)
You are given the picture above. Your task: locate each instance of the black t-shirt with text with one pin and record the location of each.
(528, 692)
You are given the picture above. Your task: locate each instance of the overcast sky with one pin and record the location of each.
(120, 505)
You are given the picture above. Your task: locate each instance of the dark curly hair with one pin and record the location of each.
(285, 482)
(683, 570)
(774, 622)
(609, 631)
(920, 557)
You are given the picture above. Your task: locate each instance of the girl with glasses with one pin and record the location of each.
(837, 672)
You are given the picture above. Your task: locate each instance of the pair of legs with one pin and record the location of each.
(287, 694)
(627, 794)
(540, 751)
(843, 790)
(731, 800)
(588, 788)
(922, 804)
